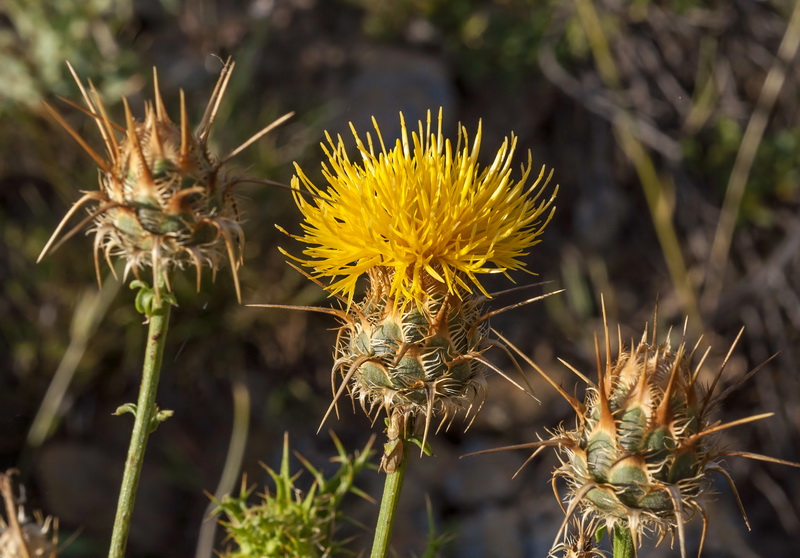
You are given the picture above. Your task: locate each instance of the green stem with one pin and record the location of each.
(391, 496)
(146, 420)
(623, 542)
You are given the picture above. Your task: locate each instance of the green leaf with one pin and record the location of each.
(417, 441)
(126, 408)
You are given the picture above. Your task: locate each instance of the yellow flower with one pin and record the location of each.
(423, 211)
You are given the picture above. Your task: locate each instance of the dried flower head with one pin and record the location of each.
(424, 211)
(422, 221)
(164, 200)
(20, 535)
(582, 543)
(643, 448)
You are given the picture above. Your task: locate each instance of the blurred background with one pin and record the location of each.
(673, 127)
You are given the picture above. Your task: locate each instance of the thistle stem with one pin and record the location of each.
(391, 496)
(146, 420)
(623, 542)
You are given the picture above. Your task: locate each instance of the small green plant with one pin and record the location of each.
(289, 521)
(35, 38)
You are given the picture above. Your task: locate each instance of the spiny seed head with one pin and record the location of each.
(164, 200)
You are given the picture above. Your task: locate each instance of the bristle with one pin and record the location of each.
(105, 125)
(573, 402)
(161, 111)
(210, 114)
(493, 313)
(714, 383)
(606, 421)
(77, 228)
(77, 137)
(719, 427)
(185, 133)
(154, 121)
(255, 138)
(732, 485)
(605, 333)
(86, 198)
(90, 103)
(664, 413)
(233, 258)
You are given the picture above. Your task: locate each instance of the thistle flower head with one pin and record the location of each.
(163, 200)
(424, 210)
(422, 220)
(642, 451)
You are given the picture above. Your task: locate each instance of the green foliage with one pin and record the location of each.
(775, 178)
(483, 37)
(288, 522)
(36, 38)
(436, 541)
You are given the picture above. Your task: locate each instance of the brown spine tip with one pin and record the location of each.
(77, 137)
(109, 137)
(90, 103)
(154, 120)
(161, 111)
(186, 136)
(133, 138)
(213, 104)
(606, 422)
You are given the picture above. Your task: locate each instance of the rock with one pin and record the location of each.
(390, 81)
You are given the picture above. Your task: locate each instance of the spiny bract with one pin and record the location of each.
(164, 200)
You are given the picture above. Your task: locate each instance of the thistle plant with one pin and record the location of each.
(164, 202)
(423, 221)
(640, 458)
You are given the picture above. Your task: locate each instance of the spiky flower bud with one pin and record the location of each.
(164, 200)
(637, 457)
(423, 221)
(641, 454)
